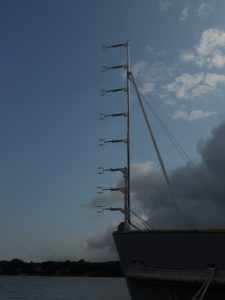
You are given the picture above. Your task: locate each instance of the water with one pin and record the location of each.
(62, 288)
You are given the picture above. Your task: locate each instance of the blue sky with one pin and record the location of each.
(51, 58)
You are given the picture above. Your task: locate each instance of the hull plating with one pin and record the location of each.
(172, 264)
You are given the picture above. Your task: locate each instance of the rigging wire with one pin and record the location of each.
(172, 196)
(145, 223)
(135, 227)
(140, 219)
(183, 154)
(190, 164)
(179, 148)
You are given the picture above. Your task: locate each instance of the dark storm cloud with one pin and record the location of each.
(201, 205)
(212, 151)
(103, 242)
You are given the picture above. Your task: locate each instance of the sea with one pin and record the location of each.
(62, 288)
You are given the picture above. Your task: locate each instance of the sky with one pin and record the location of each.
(50, 99)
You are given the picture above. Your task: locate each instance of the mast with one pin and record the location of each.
(128, 130)
(125, 189)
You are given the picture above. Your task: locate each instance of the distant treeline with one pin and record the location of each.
(57, 268)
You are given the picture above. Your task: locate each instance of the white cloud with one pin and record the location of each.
(186, 56)
(193, 115)
(142, 168)
(218, 59)
(147, 88)
(185, 13)
(139, 69)
(154, 72)
(209, 51)
(184, 84)
(150, 49)
(200, 90)
(204, 9)
(160, 79)
(213, 80)
(150, 75)
(153, 77)
(211, 40)
(191, 86)
(164, 5)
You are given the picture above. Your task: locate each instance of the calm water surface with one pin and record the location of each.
(62, 288)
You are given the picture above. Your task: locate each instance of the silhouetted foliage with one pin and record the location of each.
(66, 268)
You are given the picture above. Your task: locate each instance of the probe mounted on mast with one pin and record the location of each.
(125, 189)
(105, 92)
(103, 116)
(106, 47)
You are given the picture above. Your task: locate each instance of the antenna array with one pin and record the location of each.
(125, 189)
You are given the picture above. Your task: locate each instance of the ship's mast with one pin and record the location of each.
(125, 189)
(128, 129)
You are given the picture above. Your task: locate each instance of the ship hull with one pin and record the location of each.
(173, 264)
